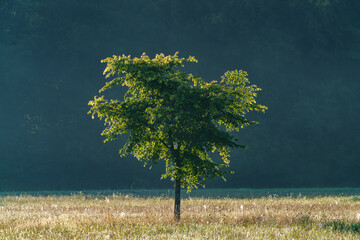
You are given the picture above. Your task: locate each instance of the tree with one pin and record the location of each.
(173, 116)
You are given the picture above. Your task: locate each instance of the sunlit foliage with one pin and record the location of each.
(176, 117)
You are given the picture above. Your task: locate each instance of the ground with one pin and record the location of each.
(117, 216)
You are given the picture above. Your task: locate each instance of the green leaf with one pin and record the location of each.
(163, 106)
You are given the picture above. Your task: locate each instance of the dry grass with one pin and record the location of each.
(124, 217)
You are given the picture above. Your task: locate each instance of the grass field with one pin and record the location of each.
(117, 216)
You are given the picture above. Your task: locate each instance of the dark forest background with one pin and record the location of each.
(304, 54)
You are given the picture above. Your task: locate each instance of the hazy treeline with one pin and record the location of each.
(305, 56)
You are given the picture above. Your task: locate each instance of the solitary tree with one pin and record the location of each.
(173, 116)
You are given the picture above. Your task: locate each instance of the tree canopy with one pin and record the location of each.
(176, 117)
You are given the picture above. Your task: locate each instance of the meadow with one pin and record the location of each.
(125, 216)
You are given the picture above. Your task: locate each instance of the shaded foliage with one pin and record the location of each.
(304, 54)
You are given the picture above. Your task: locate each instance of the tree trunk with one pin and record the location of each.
(177, 200)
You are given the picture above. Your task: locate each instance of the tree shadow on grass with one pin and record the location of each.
(343, 226)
